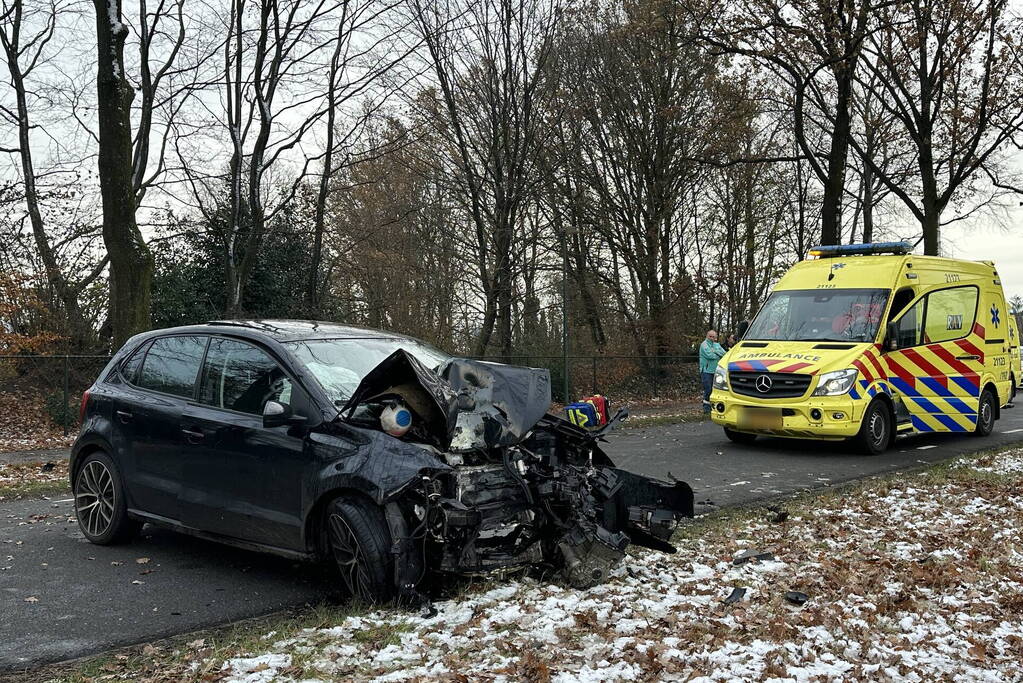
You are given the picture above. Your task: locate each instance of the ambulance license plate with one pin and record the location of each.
(751, 417)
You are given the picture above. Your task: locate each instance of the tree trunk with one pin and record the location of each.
(503, 271)
(868, 204)
(587, 298)
(131, 262)
(487, 328)
(834, 187)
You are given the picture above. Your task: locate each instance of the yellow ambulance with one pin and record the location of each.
(866, 342)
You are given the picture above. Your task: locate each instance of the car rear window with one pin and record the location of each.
(130, 368)
(172, 365)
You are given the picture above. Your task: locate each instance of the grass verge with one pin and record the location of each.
(32, 480)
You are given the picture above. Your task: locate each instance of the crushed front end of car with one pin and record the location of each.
(480, 477)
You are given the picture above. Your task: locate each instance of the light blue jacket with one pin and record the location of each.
(710, 354)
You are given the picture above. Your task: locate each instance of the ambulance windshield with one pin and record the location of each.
(838, 315)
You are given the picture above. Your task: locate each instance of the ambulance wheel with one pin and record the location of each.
(985, 414)
(875, 430)
(740, 437)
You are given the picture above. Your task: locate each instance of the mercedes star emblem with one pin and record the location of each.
(763, 384)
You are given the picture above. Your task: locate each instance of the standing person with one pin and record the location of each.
(729, 342)
(710, 353)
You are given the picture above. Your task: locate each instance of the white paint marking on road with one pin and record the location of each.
(924, 448)
(738, 483)
(1012, 431)
(66, 500)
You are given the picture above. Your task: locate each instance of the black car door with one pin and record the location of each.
(151, 417)
(127, 432)
(242, 480)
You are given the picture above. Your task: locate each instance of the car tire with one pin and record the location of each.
(739, 437)
(357, 539)
(101, 506)
(875, 433)
(985, 414)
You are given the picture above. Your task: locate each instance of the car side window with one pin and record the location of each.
(172, 365)
(950, 314)
(909, 328)
(239, 376)
(130, 368)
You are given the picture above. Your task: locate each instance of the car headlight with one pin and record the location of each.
(720, 378)
(835, 383)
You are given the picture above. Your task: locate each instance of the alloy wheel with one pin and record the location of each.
(349, 557)
(94, 498)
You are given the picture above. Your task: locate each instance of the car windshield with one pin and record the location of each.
(340, 364)
(840, 315)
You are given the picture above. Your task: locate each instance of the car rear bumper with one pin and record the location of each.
(821, 417)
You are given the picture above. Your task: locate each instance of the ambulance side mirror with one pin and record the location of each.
(891, 337)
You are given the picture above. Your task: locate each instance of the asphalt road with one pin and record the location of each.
(61, 597)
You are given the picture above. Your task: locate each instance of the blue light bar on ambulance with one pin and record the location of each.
(832, 250)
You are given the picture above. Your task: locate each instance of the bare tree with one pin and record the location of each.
(272, 93)
(489, 60)
(25, 51)
(881, 140)
(951, 73)
(355, 72)
(642, 87)
(166, 83)
(814, 47)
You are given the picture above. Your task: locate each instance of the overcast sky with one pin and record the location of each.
(986, 241)
(990, 243)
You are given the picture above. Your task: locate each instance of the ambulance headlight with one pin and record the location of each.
(835, 383)
(720, 378)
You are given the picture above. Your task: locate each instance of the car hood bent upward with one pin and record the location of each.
(463, 405)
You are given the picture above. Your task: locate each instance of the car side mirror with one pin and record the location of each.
(891, 337)
(276, 414)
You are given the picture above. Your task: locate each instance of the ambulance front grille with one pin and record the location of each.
(783, 384)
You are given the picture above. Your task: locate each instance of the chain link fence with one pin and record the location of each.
(53, 385)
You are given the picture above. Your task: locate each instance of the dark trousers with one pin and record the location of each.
(707, 378)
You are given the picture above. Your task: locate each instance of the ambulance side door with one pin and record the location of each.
(997, 341)
(1014, 357)
(936, 365)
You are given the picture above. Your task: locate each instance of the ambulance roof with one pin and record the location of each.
(874, 271)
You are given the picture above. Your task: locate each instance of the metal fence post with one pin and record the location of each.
(67, 398)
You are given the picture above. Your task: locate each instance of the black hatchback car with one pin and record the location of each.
(315, 440)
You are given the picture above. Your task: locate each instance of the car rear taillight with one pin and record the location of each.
(83, 406)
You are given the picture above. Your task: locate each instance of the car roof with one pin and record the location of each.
(283, 330)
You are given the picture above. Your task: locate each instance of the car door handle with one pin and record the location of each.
(124, 416)
(193, 435)
(974, 357)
